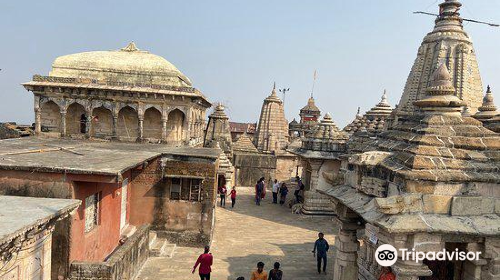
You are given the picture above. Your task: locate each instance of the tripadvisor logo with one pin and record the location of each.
(387, 255)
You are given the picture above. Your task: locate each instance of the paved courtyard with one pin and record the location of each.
(249, 234)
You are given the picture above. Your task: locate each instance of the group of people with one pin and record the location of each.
(278, 188)
(320, 251)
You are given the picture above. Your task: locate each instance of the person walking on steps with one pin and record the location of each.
(233, 197)
(205, 262)
(320, 251)
(276, 186)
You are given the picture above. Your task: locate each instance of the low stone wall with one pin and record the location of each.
(186, 238)
(124, 263)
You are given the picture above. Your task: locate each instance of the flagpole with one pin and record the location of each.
(314, 82)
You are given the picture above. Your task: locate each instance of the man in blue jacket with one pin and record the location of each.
(320, 250)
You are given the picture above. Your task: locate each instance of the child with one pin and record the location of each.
(233, 197)
(276, 273)
(259, 274)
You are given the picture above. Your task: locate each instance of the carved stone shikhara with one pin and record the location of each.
(448, 43)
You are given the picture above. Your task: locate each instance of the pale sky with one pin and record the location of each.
(233, 51)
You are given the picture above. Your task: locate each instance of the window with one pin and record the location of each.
(92, 211)
(185, 189)
(175, 189)
(195, 190)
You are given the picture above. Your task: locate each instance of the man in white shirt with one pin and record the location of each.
(276, 187)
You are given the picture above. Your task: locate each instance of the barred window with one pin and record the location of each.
(91, 211)
(195, 190)
(185, 189)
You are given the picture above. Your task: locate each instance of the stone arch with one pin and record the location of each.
(152, 123)
(100, 103)
(181, 109)
(128, 124)
(175, 126)
(50, 117)
(102, 122)
(68, 103)
(76, 119)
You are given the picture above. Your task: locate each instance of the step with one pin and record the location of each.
(161, 248)
(152, 238)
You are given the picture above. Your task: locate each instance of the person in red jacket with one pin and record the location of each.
(233, 197)
(205, 261)
(386, 274)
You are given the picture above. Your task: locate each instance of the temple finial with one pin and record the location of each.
(488, 89)
(130, 47)
(274, 89)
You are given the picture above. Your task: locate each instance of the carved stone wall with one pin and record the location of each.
(29, 257)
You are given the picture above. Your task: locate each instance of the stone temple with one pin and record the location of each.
(127, 94)
(429, 182)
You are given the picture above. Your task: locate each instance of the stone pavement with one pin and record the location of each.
(249, 234)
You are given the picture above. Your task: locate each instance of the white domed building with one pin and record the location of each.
(126, 94)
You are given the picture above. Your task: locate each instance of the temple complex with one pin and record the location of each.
(320, 158)
(127, 94)
(272, 129)
(448, 43)
(121, 169)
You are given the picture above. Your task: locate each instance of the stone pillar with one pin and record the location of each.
(141, 128)
(38, 120)
(187, 126)
(63, 123)
(115, 126)
(88, 124)
(346, 244)
(164, 129)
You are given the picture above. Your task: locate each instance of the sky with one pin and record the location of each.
(233, 51)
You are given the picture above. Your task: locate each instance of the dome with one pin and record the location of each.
(127, 65)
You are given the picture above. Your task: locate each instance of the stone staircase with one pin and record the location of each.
(160, 247)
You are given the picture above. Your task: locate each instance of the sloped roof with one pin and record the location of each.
(244, 144)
